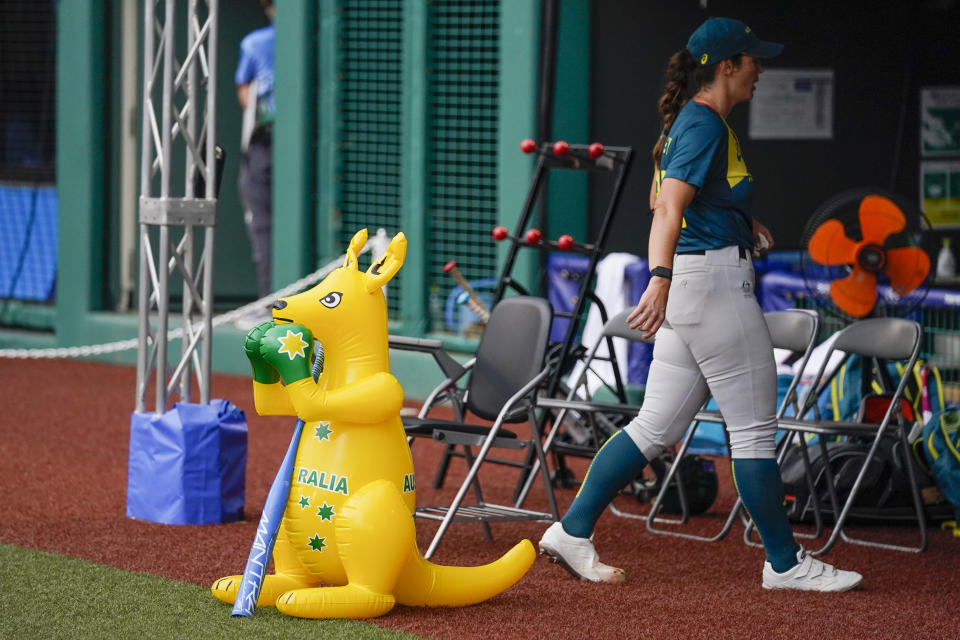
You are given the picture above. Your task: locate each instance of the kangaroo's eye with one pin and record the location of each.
(332, 299)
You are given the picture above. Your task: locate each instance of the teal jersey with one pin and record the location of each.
(702, 150)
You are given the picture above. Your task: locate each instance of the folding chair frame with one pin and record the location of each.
(485, 512)
(484, 396)
(879, 340)
(615, 327)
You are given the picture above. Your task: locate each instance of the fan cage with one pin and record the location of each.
(939, 318)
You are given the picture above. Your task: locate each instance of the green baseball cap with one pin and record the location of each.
(720, 38)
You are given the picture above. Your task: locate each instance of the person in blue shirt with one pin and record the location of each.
(711, 336)
(254, 79)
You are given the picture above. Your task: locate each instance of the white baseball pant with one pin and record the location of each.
(715, 341)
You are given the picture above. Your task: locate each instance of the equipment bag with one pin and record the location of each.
(938, 449)
(923, 392)
(883, 495)
(700, 484)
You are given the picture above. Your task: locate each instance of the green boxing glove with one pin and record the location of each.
(262, 371)
(288, 348)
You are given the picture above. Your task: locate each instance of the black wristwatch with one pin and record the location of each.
(663, 272)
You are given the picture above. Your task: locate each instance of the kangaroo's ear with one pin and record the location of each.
(356, 245)
(382, 271)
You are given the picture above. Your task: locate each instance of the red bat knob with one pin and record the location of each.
(595, 150)
(499, 232)
(565, 242)
(560, 147)
(533, 236)
(450, 266)
(528, 146)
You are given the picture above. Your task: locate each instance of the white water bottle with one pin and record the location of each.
(946, 263)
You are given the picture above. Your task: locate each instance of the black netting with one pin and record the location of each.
(27, 98)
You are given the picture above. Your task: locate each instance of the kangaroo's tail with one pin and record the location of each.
(425, 584)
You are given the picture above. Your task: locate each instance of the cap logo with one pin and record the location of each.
(703, 59)
(748, 30)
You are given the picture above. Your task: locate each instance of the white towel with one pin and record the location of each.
(249, 121)
(817, 355)
(613, 290)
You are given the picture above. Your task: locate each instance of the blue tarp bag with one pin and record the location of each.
(188, 465)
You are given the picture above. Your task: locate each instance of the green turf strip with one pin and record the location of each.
(44, 595)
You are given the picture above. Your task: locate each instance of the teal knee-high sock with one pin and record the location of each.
(618, 462)
(759, 485)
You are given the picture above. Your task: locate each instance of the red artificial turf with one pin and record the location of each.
(64, 436)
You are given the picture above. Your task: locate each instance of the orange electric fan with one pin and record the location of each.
(879, 219)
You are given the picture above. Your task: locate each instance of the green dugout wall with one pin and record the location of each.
(400, 114)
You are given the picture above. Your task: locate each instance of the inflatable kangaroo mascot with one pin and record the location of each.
(348, 520)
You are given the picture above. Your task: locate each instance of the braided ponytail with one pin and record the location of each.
(676, 92)
(684, 77)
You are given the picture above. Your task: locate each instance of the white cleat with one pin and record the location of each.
(810, 574)
(577, 556)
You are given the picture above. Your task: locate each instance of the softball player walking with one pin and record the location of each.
(700, 303)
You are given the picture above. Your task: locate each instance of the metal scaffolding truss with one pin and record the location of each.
(179, 121)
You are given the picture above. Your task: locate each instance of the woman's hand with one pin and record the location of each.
(652, 308)
(675, 196)
(762, 240)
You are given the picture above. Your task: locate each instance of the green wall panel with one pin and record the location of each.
(567, 202)
(463, 98)
(294, 146)
(80, 163)
(370, 104)
(517, 119)
(327, 220)
(416, 219)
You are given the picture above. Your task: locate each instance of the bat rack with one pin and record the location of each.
(593, 158)
(551, 156)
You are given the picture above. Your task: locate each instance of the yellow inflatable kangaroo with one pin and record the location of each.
(348, 520)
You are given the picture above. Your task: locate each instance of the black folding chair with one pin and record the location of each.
(504, 377)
